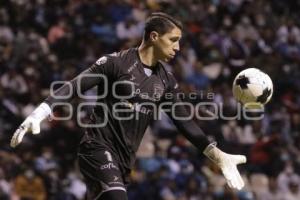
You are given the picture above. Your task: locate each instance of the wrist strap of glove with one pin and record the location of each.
(41, 112)
(212, 152)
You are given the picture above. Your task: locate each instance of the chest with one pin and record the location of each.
(135, 85)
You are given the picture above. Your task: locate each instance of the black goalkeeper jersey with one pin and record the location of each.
(128, 101)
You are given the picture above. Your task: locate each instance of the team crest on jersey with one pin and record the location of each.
(101, 60)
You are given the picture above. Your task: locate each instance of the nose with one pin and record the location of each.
(177, 47)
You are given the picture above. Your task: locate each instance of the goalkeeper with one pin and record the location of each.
(107, 153)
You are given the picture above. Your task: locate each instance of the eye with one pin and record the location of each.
(174, 39)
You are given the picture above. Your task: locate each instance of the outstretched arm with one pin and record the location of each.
(83, 82)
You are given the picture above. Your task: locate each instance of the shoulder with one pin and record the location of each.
(119, 57)
(125, 53)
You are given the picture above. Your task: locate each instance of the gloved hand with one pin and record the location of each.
(31, 123)
(228, 164)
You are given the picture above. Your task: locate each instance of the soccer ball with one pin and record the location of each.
(253, 88)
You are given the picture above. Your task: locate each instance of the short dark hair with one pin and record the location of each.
(161, 23)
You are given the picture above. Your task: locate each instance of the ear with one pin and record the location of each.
(153, 36)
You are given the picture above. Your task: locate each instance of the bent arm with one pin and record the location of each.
(84, 81)
(226, 162)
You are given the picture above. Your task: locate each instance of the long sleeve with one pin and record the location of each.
(95, 75)
(181, 118)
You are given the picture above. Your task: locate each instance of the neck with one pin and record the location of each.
(146, 53)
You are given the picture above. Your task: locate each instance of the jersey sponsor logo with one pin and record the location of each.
(132, 67)
(158, 91)
(136, 107)
(101, 60)
(142, 109)
(109, 166)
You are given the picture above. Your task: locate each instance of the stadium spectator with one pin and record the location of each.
(215, 32)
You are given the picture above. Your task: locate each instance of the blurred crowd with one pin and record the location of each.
(42, 41)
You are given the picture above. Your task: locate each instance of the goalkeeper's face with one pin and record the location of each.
(167, 45)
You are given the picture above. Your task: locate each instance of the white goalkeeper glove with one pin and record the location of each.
(31, 123)
(228, 164)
